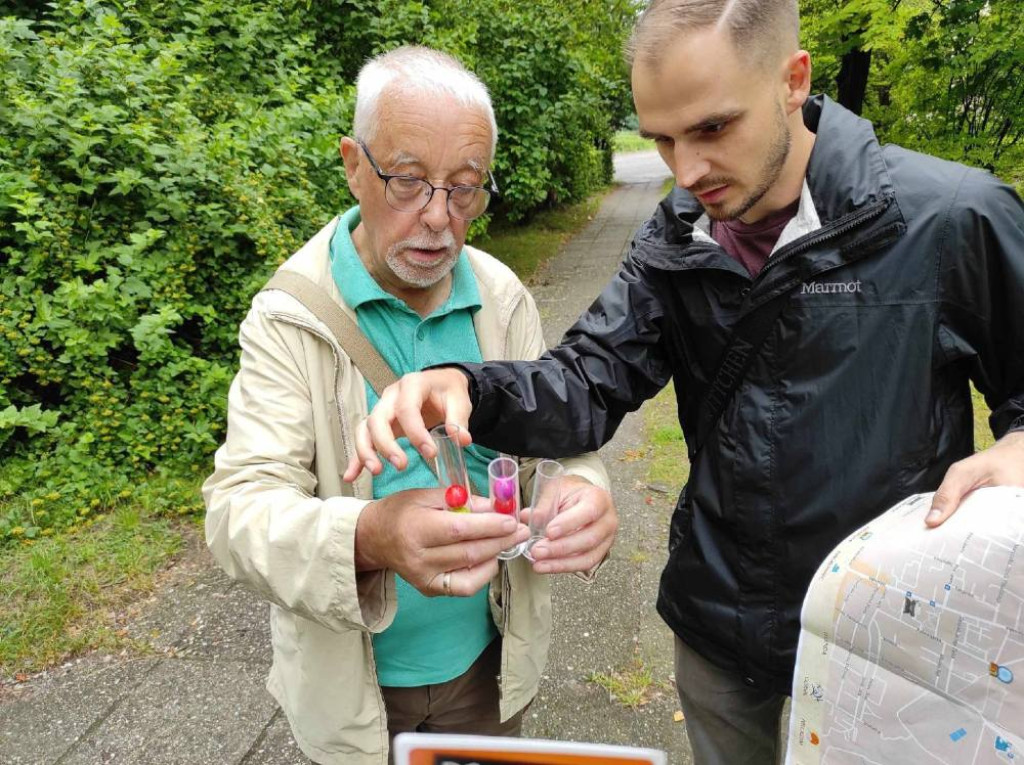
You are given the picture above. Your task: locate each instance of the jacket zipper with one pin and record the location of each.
(839, 228)
(852, 221)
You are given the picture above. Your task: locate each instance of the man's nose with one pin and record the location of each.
(690, 167)
(435, 215)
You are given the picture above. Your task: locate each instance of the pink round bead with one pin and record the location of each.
(504, 488)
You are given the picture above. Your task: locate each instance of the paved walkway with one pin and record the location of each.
(197, 697)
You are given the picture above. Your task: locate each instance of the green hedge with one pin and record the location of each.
(158, 160)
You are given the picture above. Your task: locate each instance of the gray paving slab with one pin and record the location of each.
(40, 721)
(199, 698)
(207, 615)
(639, 167)
(185, 712)
(276, 746)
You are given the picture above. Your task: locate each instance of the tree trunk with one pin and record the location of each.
(853, 79)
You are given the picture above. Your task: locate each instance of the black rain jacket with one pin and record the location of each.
(912, 287)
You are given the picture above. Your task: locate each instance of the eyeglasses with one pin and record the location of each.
(406, 193)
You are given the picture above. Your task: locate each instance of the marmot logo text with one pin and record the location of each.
(818, 288)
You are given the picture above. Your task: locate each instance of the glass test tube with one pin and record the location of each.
(451, 468)
(547, 488)
(503, 483)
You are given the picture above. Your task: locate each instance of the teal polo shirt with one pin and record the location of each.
(431, 640)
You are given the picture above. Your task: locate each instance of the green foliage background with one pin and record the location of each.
(946, 77)
(159, 159)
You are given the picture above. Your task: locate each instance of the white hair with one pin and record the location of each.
(416, 69)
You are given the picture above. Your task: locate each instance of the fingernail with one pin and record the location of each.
(508, 525)
(934, 515)
(540, 549)
(394, 460)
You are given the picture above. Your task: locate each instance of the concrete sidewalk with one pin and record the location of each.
(198, 696)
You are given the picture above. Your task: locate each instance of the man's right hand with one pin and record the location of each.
(410, 407)
(411, 533)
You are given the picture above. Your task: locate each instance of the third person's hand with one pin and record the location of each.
(580, 536)
(410, 407)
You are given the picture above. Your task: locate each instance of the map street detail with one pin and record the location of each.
(912, 641)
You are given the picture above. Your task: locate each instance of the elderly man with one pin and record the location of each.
(364, 647)
(820, 303)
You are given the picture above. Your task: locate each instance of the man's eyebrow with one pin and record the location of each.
(404, 158)
(709, 121)
(714, 119)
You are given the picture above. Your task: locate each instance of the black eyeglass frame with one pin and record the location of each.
(492, 191)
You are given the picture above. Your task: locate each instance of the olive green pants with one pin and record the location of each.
(727, 722)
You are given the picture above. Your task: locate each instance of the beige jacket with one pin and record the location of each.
(277, 520)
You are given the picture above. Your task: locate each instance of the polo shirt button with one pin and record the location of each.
(749, 682)
(419, 334)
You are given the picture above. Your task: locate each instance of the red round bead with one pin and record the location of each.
(455, 495)
(505, 506)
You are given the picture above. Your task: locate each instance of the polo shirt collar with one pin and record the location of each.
(357, 287)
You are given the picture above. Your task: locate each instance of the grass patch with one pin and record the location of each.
(626, 141)
(982, 432)
(632, 686)
(62, 595)
(669, 465)
(523, 247)
(667, 186)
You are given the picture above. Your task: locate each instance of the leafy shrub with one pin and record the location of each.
(554, 68)
(144, 196)
(158, 160)
(944, 78)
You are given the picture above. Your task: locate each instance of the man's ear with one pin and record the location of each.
(797, 75)
(352, 156)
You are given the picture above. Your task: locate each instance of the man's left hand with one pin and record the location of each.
(1000, 465)
(579, 537)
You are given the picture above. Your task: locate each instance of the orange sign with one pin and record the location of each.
(439, 749)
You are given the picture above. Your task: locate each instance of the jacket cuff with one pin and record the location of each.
(588, 576)
(368, 599)
(589, 468)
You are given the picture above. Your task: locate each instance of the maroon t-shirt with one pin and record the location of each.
(752, 243)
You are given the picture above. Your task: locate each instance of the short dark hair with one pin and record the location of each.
(760, 29)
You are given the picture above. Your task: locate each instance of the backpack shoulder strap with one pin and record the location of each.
(360, 350)
(744, 344)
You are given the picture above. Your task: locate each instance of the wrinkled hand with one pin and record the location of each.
(582, 533)
(411, 533)
(1000, 465)
(410, 407)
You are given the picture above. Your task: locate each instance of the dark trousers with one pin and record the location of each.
(727, 722)
(467, 704)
